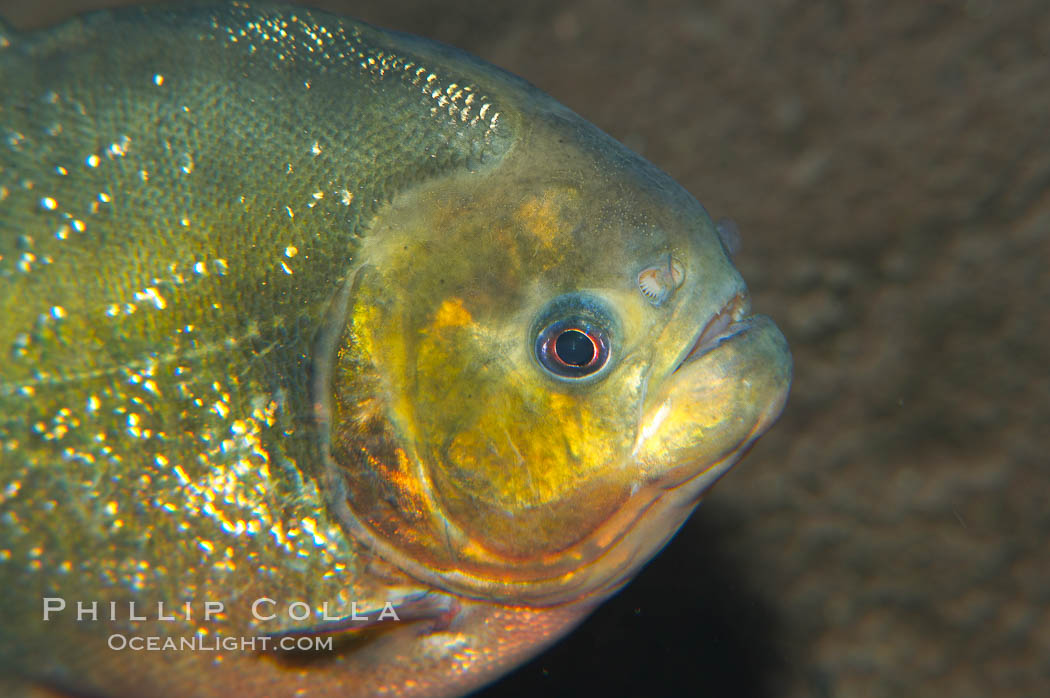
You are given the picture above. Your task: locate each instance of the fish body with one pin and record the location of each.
(322, 323)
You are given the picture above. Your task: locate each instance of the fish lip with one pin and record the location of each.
(733, 318)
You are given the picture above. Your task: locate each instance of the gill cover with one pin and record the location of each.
(464, 459)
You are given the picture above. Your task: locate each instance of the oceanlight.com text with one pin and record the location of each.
(204, 643)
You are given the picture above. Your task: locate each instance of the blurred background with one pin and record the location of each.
(889, 167)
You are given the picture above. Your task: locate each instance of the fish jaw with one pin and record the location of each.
(720, 400)
(728, 390)
(697, 427)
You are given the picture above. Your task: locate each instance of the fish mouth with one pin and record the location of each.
(733, 318)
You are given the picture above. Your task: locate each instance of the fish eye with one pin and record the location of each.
(573, 347)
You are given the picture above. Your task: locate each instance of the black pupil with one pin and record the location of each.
(574, 348)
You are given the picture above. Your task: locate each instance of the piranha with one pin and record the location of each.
(336, 362)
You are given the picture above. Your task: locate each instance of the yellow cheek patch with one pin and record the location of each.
(452, 313)
(580, 428)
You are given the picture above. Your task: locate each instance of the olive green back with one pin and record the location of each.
(181, 195)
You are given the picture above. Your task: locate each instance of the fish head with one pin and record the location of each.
(537, 369)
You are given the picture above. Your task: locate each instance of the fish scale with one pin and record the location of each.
(204, 262)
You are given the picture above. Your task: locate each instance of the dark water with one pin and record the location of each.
(889, 167)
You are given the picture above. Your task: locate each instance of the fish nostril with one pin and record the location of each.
(658, 281)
